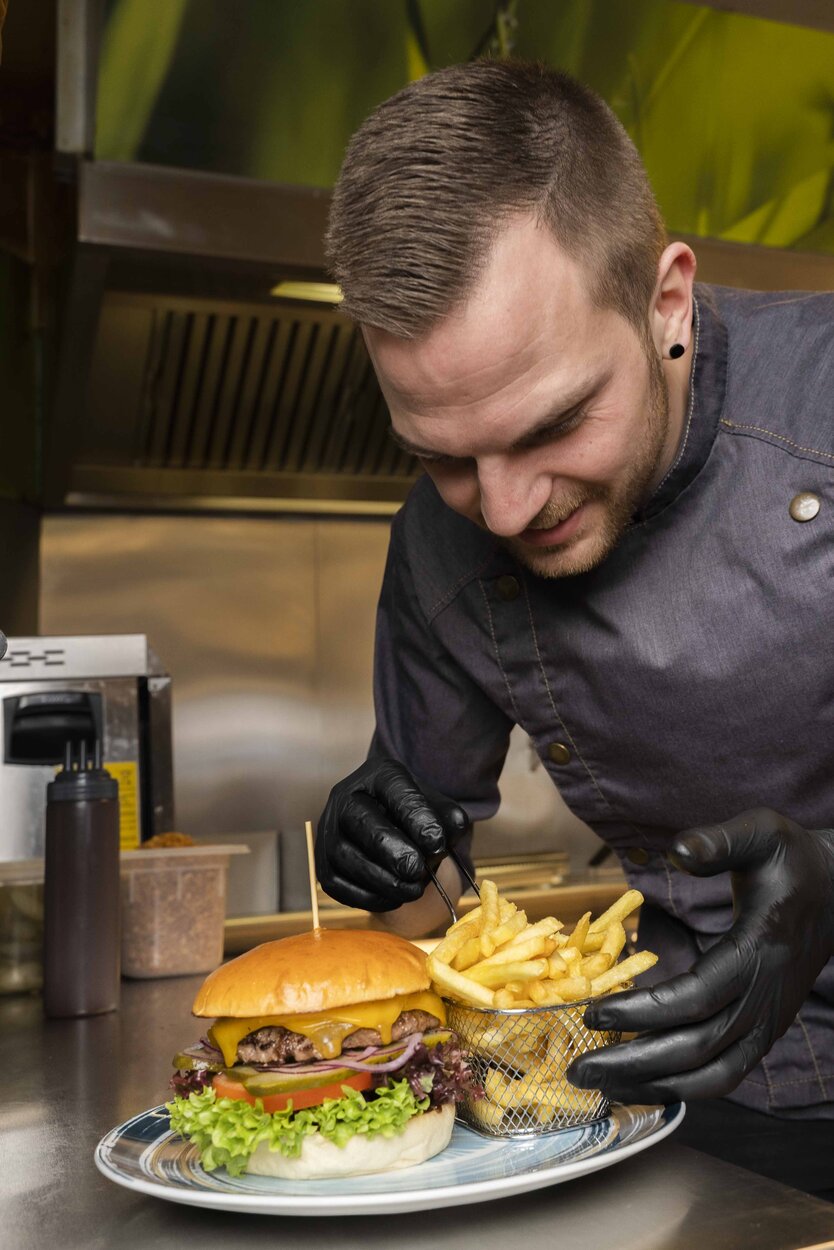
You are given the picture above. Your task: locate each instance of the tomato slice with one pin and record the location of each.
(225, 1087)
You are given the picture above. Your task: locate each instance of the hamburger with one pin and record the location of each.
(328, 1056)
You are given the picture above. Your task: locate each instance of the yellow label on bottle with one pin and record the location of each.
(126, 773)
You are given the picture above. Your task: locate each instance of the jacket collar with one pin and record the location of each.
(707, 388)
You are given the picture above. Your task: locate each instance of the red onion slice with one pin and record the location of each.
(360, 1062)
(357, 1065)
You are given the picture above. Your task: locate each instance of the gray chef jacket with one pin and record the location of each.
(687, 678)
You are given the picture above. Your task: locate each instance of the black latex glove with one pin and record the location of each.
(380, 832)
(705, 1030)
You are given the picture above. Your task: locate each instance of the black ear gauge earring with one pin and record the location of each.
(676, 351)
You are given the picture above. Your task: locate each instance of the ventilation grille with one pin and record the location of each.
(256, 392)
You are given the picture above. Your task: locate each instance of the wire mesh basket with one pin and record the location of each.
(519, 1058)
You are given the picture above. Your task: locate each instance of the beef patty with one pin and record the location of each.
(275, 1044)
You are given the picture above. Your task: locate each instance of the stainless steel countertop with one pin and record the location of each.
(67, 1082)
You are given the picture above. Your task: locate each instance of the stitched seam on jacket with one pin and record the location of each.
(758, 429)
(769, 1080)
(811, 1050)
(498, 653)
(728, 367)
(672, 905)
(447, 597)
(691, 405)
(799, 1080)
(568, 734)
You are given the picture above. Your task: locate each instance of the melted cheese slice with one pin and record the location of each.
(327, 1029)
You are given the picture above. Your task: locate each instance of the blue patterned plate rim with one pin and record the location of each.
(526, 1166)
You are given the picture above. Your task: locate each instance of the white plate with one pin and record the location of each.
(144, 1155)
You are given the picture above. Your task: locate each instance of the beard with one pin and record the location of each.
(619, 500)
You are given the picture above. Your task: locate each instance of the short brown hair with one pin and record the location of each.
(434, 172)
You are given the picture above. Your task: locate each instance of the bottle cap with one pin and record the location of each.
(82, 780)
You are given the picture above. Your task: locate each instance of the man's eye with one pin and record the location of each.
(564, 427)
(443, 462)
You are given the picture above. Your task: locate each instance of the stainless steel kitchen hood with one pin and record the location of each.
(182, 382)
(176, 381)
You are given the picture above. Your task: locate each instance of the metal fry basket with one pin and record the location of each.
(519, 1058)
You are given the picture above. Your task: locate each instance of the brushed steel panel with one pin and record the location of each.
(23, 786)
(62, 658)
(350, 558)
(186, 212)
(229, 606)
(266, 627)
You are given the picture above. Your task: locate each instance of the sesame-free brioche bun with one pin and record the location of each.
(315, 971)
(423, 1137)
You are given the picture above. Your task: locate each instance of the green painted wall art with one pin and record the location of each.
(734, 116)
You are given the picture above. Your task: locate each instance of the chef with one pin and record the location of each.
(623, 543)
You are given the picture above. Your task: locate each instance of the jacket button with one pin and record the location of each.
(559, 753)
(637, 855)
(804, 506)
(508, 587)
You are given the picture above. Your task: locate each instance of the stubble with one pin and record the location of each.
(620, 501)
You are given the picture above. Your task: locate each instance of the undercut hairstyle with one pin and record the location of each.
(433, 174)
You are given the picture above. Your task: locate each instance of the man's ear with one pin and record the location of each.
(670, 316)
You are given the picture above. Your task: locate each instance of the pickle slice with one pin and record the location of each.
(438, 1036)
(264, 1084)
(186, 1062)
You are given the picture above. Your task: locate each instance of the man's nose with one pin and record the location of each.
(510, 498)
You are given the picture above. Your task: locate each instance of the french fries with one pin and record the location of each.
(489, 916)
(460, 986)
(625, 971)
(617, 912)
(469, 954)
(496, 976)
(492, 958)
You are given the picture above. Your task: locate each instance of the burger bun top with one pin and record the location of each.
(312, 972)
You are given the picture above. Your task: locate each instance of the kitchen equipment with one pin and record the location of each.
(21, 926)
(253, 882)
(456, 859)
(110, 688)
(81, 889)
(174, 908)
(519, 1058)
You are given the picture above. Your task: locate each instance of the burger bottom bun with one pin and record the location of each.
(424, 1136)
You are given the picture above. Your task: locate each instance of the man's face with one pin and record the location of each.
(539, 416)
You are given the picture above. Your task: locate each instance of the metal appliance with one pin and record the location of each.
(79, 689)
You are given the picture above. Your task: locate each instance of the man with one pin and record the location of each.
(623, 544)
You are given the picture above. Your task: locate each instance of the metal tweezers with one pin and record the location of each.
(454, 856)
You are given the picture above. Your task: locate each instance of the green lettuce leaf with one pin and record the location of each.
(227, 1130)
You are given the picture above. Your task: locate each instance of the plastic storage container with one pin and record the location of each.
(173, 909)
(21, 925)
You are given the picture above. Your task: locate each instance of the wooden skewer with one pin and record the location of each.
(311, 864)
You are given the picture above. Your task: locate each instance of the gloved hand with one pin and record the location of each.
(704, 1030)
(380, 832)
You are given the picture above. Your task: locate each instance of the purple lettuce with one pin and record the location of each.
(441, 1072)
(190, 1081)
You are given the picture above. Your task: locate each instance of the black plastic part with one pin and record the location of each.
(88, 781)
(37, 727)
